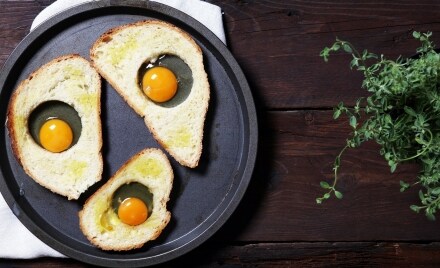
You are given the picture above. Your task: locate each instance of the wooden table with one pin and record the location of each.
(278, 223)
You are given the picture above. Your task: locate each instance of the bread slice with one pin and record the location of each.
(99, 221)
(119, 53)
(73, 80)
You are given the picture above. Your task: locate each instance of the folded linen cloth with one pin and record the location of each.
(18, 242)
(208, 14)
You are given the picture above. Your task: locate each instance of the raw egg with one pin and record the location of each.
(133, 211)
(159, 84)
(55, 135)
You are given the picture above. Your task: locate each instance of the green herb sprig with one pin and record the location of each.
(401, 113)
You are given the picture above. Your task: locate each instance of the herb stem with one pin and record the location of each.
(424, 150)
(336, 167)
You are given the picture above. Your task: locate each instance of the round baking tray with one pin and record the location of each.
(202, 199)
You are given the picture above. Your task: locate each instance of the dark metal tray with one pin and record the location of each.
(202, 199)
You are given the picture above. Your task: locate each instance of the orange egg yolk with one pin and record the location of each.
(56, 135)
(132, 211)
(159, 84)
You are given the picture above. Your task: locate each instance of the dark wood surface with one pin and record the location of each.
(278, 223)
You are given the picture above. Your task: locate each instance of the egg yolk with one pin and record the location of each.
(56, 135)
(132, 211)
(159, 84)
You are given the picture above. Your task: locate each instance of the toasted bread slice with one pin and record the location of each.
(100, 222)
(73, 80)
(119, 54)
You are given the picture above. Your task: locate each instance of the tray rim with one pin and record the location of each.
(248, 104)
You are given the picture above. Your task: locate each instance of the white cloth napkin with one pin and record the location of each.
(208, 14)
(18, 242)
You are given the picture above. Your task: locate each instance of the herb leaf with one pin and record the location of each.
(401, 113)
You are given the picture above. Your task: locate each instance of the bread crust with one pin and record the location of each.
(13, 134)
(203, 105)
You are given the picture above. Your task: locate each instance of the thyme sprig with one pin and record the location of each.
(401, 114)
